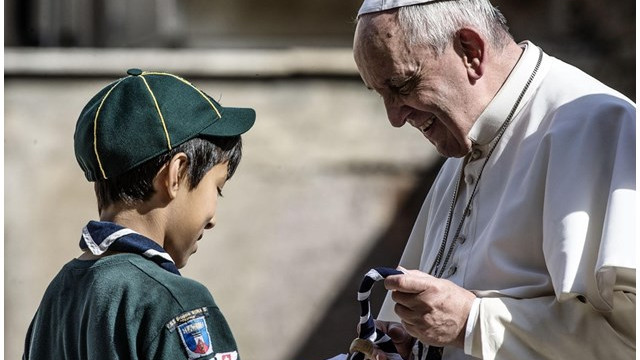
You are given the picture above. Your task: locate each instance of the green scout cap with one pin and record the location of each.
(146, 114)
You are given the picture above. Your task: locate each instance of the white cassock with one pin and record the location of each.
(549, 243)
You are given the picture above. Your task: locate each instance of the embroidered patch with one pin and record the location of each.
(195, 337)
(227, 356)
(186, 316)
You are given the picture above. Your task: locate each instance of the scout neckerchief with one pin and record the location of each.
(100, 236)
(367, 332)
(369, 335)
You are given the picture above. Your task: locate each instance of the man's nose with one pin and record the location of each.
(397, 113)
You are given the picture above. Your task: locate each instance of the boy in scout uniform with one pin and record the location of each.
(159, 151)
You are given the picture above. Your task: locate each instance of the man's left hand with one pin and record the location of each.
(432, 310)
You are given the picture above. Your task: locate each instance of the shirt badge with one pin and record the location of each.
(227, 356)
(195, 337)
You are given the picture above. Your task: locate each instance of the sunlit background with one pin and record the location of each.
(326, 189)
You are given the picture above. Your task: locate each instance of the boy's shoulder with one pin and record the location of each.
(134, 305)
(194, 316)
(185, 291)
(143, 279)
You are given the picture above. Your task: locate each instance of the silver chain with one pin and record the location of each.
(439, 268)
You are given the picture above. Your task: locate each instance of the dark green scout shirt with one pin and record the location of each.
(127, 307)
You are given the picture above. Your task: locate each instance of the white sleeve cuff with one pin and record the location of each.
(471, 324)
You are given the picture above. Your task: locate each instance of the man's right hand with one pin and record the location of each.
(400, 337)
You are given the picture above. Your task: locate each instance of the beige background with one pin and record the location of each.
(321, 175)
(327, 187)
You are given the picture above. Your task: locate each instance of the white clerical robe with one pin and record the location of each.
(549, 243)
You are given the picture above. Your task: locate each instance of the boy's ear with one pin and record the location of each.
(171, 176)
(472, 47)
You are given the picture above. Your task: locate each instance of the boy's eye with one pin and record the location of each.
(219, 192)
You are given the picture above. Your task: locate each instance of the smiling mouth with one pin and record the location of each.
(424, 127)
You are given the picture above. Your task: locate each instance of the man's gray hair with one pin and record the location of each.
(435, 24)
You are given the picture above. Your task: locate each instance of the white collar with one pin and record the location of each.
(486, 127)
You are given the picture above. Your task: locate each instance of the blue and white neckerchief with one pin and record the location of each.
(100, 236)
(367, 327)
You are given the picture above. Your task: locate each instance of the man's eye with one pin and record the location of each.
(402, 90)
(407, 87)
(405, 90)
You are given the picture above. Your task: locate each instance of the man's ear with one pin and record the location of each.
(473, 51)
(171, 176)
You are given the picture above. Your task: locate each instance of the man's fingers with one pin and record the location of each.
(407, 315)
(382, 325)
(409, 300)
(395, 330)
(379, 354)
(412, 281)
(398, 334)
(402, 340)
(414, 272)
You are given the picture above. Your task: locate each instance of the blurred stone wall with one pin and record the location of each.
(326, 188)
(322, 175)
(599, 37)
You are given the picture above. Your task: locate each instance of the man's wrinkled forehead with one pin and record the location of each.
(377, 30)
(377, 25)
(371, 6)
(377, 46)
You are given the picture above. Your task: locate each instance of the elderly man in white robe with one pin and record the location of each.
(525, 245)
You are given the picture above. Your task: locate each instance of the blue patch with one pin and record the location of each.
(195, 337)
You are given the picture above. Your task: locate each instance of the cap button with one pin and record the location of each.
(134, 72)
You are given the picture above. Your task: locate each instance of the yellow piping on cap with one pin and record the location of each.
(188, 83)
(95, 128)
(164, 126)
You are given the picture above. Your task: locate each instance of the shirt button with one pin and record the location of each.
(452, 270)
(469, 179)
(476, 154)
(462, 239)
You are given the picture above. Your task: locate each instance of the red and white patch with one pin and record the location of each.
(227, 356)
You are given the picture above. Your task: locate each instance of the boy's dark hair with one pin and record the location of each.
(136, 185)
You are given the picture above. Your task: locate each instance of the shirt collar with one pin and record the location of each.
(486, 127)
(100, 236)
